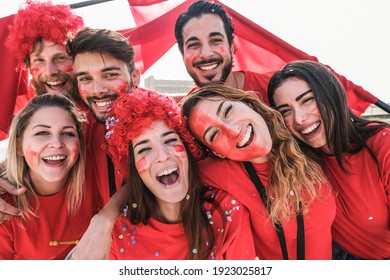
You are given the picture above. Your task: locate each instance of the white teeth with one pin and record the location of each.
(209, 67)
(167, 172)
(246, 137)
(54, 158)
(54, 83)
(104, 103)
(310, 128)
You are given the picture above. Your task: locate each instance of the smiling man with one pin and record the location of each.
(204, 34)
(37, 38)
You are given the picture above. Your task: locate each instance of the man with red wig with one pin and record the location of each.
(37, 38)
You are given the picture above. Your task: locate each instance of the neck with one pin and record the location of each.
(260, 160)
(168, 213)
(234, 80)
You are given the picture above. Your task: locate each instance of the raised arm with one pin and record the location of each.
(96, 242)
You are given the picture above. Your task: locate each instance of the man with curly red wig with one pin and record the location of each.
(37, 39)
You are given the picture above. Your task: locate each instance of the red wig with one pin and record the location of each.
(134, 112)
(55, 23)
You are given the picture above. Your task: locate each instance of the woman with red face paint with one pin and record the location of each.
(46, 155)
(354, 151)
(290, 203)
(170, 213)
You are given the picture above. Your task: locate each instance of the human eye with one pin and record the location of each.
(111, 75)
(213, 135)
(60, 58)
(37, 60)
(285, 112)
(228, 109)
(42, 133)
(69, 133)
(308, 100)
(84, 79)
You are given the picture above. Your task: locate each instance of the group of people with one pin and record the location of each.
(243, 167)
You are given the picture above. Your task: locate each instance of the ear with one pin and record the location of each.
(136, 77)
(218, 155)
(19, 148)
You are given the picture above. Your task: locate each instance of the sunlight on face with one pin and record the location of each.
(231, 129)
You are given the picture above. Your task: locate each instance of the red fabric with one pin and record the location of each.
(13, 82)
(232, 177)
(362, 224)
(257, 49)
(53, 223)
(159, 241)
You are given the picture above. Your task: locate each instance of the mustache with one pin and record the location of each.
(212, 60)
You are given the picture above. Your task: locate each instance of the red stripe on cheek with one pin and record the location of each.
(30, 155)
(141, 165)
(179, 148)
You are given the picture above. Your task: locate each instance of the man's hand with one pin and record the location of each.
(7, 211)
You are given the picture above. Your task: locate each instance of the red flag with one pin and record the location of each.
(13, 81)
(258, 50)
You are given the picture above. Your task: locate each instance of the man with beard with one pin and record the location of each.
(37, 38)
(204, 34)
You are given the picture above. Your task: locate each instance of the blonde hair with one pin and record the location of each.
(16, 169)
(294, 179)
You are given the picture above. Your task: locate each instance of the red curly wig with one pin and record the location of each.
(55, 23)
(133, 113)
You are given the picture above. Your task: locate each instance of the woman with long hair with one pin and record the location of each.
(354, 151)
(291, 207)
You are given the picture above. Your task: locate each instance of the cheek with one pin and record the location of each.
(68, 68)
(122, 87)
(30, 155)
(223, 50)
(180, 151)
(35, 71)
(189, 57)
(82, 90)
(141, 165)
(75, 153)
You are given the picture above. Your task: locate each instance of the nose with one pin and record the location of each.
(206, 50)
(300, 116)
(231, 129)
(162, 154)
(99, 87)
(55, 141)
(51, 68)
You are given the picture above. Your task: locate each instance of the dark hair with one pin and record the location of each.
(198, 9)
(195, 223)
(342, 126)
(103, 41)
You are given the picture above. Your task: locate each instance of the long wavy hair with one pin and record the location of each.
(290, 170)
(345, 132)
(16, 169)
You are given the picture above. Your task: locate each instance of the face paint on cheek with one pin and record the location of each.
(68, 68)
(34, 71)
(180, 151)
(82, 92)
(30, 155)
(141, 165)
(123, 87)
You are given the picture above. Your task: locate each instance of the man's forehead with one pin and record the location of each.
(45, 45)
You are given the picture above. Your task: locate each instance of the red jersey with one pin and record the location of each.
(362, 224)
(52, 223)
(233, 178)
(159, 241)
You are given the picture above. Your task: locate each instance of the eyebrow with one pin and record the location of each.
(217, 113)
(147, 140)
(103, 70)
(48, 126)
(299, 97)
(212, 34)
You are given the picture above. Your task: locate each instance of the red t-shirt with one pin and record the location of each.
(253, 82)
(233, 178)
(362, 224)
(160, 241)
(53, 223)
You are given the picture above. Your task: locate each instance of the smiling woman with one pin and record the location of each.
(150, 144)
